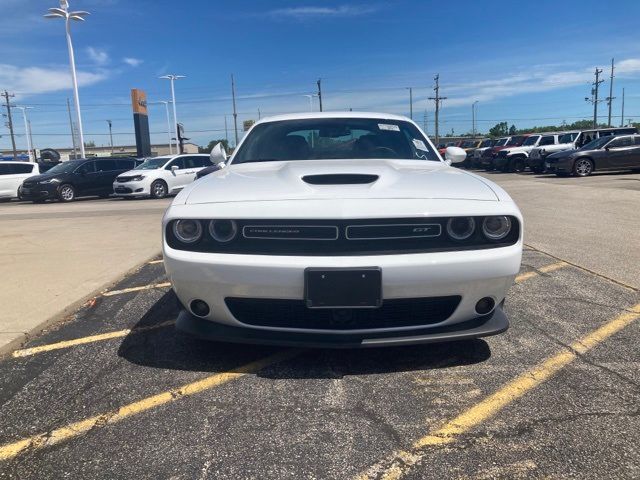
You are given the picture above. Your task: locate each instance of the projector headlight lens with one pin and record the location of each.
(461, 228)
(223, 231)
(496, 228)
(187, 231)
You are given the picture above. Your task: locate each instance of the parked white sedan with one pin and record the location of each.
(12, 174)
(160, 176)
(341, 229)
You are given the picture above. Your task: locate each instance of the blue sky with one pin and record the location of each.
(528, 63)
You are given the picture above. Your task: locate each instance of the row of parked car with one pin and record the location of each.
(578, 152)
(124, 177)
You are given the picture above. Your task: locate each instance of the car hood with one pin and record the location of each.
(43, 176)
(562, 154)
(276, 181)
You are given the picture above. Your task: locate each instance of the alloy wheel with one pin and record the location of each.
(583, 167)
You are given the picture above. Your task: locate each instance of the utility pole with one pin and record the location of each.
(235, 113)
(411, 103)
(73, 135)
(10, 122)
(110, 135)
(425, 119)
(319, 82)
(622, 119)
(610, 97)
(594, 96)
(438, 99)
(473, 118)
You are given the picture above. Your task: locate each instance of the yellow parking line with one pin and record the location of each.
(136, 289)
(62, 434)
(546, 269)
(93, 338)
(400, 462)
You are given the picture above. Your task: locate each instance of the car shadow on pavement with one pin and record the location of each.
(167, 348)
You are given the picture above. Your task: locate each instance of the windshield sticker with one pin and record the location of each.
(386, 126)
(419, 144)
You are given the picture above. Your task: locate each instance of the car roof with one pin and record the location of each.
(15, 162)
(313, 115)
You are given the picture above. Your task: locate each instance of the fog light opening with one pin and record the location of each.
(199, 308)
(485, 305)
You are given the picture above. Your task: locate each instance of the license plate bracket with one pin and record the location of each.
(343, 287)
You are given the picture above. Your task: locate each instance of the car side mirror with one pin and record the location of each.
(174, 168)
(218, 155)
(454, 155)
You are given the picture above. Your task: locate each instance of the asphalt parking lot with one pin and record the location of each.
(115, 392)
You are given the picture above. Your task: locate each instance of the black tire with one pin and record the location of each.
(519, 164)
(582, 167)
(537, 169)
(159, 189)
(66, 193)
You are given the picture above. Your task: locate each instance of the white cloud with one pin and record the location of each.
(134, 62)
(332, 12)
(99, 57)
(34, 80)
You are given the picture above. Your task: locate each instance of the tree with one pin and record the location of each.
(90, 144)
(499, 130)
(212, 144)
(512, 130)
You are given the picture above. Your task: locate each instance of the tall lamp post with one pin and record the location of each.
(473, 118)
(64, 13)
(166, 108)
(173, 78)
(27, 130)
(110, 135)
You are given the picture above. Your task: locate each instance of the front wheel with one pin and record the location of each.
(583, 167)
(67, 193)
(159, 189)
(519, 165)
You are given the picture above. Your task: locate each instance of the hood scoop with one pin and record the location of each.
(340, 179)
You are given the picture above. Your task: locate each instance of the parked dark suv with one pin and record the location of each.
(76, 178)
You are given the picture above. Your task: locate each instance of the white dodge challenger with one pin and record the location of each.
(341, 230)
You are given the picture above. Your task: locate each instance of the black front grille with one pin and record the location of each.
(123, 190)
(343, 237)
(125, 179)
(407, 312)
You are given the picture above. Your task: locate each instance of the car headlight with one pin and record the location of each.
(187, 231)
(223, 231)
(51, 180)
(496, 228)
(461, 228)
(137, 178)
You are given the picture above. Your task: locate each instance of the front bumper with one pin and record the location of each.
(41, 191)
(471, 275)
(494, 323)
(558, 167)
(131, 189)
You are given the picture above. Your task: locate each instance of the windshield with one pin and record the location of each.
(334, 138)
(66, 167)
(486, 143)
(597, 143)
(469, 144)
(153, 163)
(568, 137)
(515, 141)
(531, 140)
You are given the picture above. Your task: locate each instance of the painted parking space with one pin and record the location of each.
(325, 413)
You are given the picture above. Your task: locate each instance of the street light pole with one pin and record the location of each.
(473, 118)
(63, 12)
(166, 108)
(173, 78)
(110, 135)
(27, 131)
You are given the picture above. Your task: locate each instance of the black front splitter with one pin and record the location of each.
(492, 324)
